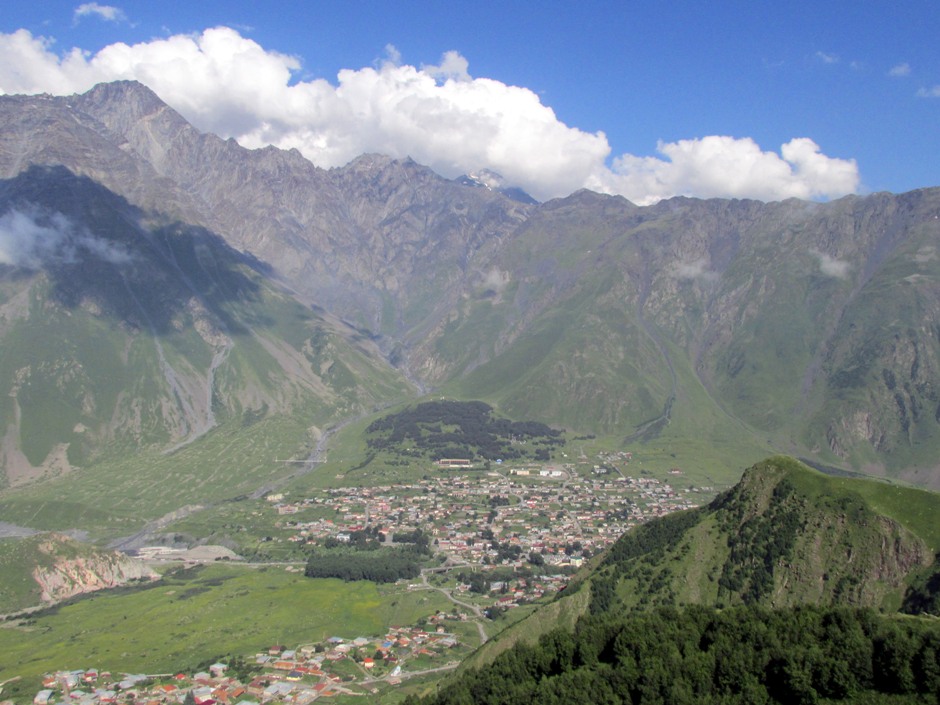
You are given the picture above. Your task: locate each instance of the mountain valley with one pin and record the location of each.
(196, 339)
(801, 327)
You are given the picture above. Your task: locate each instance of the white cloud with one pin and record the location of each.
(27, 243)
(932, 92)
(30, 238)
(695, 270)
(105, 12)
(439, 115)
(900, 70)
(827, 58)
(721, 166)
(453, 66)
(831, 266)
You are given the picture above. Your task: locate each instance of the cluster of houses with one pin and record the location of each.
(279, 676)
(497, 518)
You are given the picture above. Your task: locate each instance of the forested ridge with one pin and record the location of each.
(452, 429)
(745, 655)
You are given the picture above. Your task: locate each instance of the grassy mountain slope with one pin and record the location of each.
(150, 356)
(795, 326)
(784, 536)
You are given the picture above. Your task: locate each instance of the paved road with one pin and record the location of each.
(473, 608)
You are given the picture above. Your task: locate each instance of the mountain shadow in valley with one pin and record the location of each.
(103, 253)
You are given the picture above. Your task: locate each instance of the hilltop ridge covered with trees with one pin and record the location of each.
(456, 429)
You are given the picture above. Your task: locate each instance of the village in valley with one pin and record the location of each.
(500, 538)
(495, 517)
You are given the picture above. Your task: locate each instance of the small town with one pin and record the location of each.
(521, 530)
(561, 514)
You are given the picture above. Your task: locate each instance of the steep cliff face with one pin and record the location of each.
(380, 242)
(69, 569)
(48, 568)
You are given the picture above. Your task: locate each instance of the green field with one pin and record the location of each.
(112, 499)
(197, 614)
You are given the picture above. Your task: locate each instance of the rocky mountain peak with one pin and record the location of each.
(123, 105)
(493, 181)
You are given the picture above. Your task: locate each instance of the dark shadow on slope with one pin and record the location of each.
(103, 253)
(832, 469)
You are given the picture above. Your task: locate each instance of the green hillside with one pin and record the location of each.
(785, 589)
(784, 536)
(151, 362)
(702, 656)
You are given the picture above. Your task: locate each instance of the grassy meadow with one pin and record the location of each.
(199, 613)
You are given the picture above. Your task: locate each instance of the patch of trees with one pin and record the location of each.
(758, 543)
(380, 565)
(452, 429)
(743, 655)
(506, 551)
(479, 582)
(367, 539)
(923, 596)
(416, 537)
(653, 538)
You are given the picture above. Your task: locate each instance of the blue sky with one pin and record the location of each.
(690, 98)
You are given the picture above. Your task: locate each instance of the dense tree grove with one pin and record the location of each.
(452, 429)
(381, 565)
(757, 543)
(923, 596)
(744, 655)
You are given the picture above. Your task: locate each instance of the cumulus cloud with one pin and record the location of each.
(827, 58)
(30, 238)
(722, 166)
(104, 12)
(439, 115)
(831, 266)
(453, 67)
(900, 70)
(932, 92)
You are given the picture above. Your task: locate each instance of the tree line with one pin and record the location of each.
(385, 565)
(745, 655)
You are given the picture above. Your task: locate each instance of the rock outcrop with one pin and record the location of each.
(69, 568)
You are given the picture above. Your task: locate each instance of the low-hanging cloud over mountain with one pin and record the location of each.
(439, 115)
(31, 238)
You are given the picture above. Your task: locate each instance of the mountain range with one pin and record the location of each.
(163, 290)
